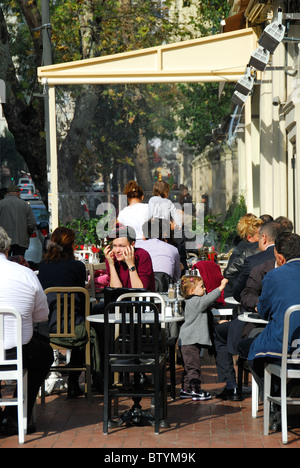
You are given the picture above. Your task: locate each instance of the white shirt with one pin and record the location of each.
(164, 208)
(21, 289)
(135, 216)
(165, 257)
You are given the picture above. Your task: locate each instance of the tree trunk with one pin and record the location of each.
(25, 119)
(142, 167)
(71, 149)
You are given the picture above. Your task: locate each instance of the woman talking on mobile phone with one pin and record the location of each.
(127, 266)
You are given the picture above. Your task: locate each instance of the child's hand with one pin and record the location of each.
(223, 284)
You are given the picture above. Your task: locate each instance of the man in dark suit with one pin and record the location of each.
(267, 235)
(228, 335)
(252, 291)
(280, 290)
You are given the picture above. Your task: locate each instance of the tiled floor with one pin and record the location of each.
(78, 424)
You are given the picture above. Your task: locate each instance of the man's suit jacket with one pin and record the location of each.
(249, 264)
(252, 291)
(280, 291)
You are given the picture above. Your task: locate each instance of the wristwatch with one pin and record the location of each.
(132, 268)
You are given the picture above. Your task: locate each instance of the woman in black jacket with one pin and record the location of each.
(60, 269)
(248, 230)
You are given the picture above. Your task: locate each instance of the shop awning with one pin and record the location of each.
(222, 57)
(219, 58)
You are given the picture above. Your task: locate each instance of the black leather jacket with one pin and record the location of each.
(243, 250)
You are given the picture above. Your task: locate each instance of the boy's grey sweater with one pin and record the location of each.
(195, 326)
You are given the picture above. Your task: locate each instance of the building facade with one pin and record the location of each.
(266, 168)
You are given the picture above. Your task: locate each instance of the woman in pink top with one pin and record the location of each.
(127, 266)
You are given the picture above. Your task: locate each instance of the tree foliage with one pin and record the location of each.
(110, 124)
(200, 108)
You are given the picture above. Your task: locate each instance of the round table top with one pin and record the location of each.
(251, 317)
(231, 300)
(148, 317)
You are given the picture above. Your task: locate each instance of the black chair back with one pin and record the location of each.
(162, 281)
(112, 294)
(132, 350)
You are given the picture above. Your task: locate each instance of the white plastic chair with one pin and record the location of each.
(285, 374)
(12, 369)
(254, 388)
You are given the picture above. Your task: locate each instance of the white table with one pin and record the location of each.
(148, 317)
(246, 317)
(231, 300)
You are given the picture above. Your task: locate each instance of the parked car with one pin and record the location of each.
(28, 192)
(98, 186)
(25, 180)
(38, 240)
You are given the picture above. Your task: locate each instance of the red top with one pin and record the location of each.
(143, 264)
(211, 274)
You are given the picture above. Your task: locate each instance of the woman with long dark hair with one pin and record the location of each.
(60, 269)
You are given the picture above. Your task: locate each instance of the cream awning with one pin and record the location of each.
(222, 57)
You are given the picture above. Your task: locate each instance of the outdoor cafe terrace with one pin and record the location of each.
(76, 423)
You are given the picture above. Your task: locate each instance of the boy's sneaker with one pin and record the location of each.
(185, 393)
(200, 395)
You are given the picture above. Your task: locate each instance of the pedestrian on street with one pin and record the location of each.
(17, 219)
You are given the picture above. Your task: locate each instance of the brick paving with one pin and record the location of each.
(64, 423)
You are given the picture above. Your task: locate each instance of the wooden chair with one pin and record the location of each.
(91, 268)
(12, 369)
(65, 323)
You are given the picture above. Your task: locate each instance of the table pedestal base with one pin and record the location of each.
(137, 416)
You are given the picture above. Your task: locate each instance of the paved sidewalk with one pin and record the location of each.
(64, 423)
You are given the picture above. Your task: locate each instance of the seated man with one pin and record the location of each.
(267, 235)
(228, 335)
(165, 257)
(252, 291)
(280, 291)
(20, 288)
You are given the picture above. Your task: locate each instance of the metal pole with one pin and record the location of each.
(47, 60)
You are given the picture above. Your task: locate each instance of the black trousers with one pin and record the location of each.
(37, 358)
(192, 366)
(224, 358)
